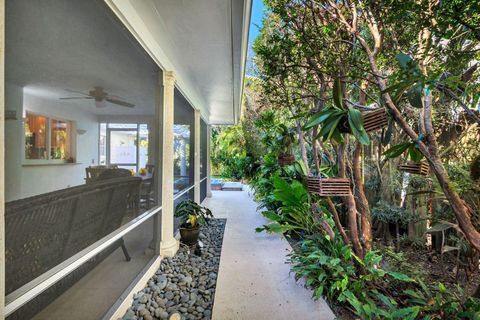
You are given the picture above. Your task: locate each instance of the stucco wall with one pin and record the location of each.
(24, 181)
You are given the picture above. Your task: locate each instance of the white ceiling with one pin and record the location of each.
(203, 41)
(48, 50)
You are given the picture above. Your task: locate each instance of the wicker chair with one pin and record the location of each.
(93, 172)
(45, 230)
(113, 174)
(146, 190)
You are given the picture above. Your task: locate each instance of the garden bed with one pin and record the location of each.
(184, 284)
(436, 269)
(418, 263)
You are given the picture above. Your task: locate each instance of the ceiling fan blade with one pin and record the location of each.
(79, 92)
(120, 102)
(73, 98)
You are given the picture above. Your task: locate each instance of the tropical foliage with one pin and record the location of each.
(319, 66)
(192, 214)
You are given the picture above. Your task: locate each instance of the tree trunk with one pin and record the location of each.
(336, 218)
(476, 294)
(353, 224)
(458, 207)
(362, 202)
(349, 202)
(315, 149)
(303, 149)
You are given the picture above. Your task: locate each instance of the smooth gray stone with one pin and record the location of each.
(129, 315)
(169, 295)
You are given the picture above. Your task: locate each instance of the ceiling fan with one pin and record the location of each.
(101, 97)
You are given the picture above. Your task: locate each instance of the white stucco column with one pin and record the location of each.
(168, 244)
(209, 182)
(196, 162)
(2, 158)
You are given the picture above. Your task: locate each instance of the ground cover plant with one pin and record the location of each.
(320, 68)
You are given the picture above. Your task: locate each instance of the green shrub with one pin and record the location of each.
(332, 270)
(294, 212)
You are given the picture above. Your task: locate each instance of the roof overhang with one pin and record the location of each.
(203, 42)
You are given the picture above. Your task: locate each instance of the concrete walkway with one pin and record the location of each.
(254, 282)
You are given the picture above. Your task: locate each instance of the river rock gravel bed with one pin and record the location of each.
(184, 286)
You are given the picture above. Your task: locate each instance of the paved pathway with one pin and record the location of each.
(254, 282)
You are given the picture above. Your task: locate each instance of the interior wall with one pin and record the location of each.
(28, 180)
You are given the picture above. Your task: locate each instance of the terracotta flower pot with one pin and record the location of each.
(189, 235)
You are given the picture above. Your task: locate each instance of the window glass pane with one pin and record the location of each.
(122, 125)
(60, 139)
(181, 159)
(123, 147)
(35, 137)
(103, 144)
(143, 146)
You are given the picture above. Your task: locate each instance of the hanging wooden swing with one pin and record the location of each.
(421, 168)
(328, 187)
(286, 159)
(374, 120)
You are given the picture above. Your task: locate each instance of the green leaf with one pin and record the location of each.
(337, 93)
(414, 154)
(337, 136)
(299, 166)
(442, 288)
(400, 276)
(400, 90)
(404, 60)
(385, 300)
(367, 309)
(334, 128)
(414, 96)
(355, 120)
(328, 125)
(406, 313)
(318, 118)
(397, 150)
(270, 215)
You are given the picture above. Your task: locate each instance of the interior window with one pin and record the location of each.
(60, 143)
(42, 134)
(35, 137)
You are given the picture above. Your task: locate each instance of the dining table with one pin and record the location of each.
(145, 177)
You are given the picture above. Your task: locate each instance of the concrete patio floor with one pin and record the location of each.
(254, 281)
(96, 292)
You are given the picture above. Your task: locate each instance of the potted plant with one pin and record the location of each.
(193, 217)
(416, 163)
(338, 119)
(285, 141)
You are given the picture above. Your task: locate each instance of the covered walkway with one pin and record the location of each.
(254, 281)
